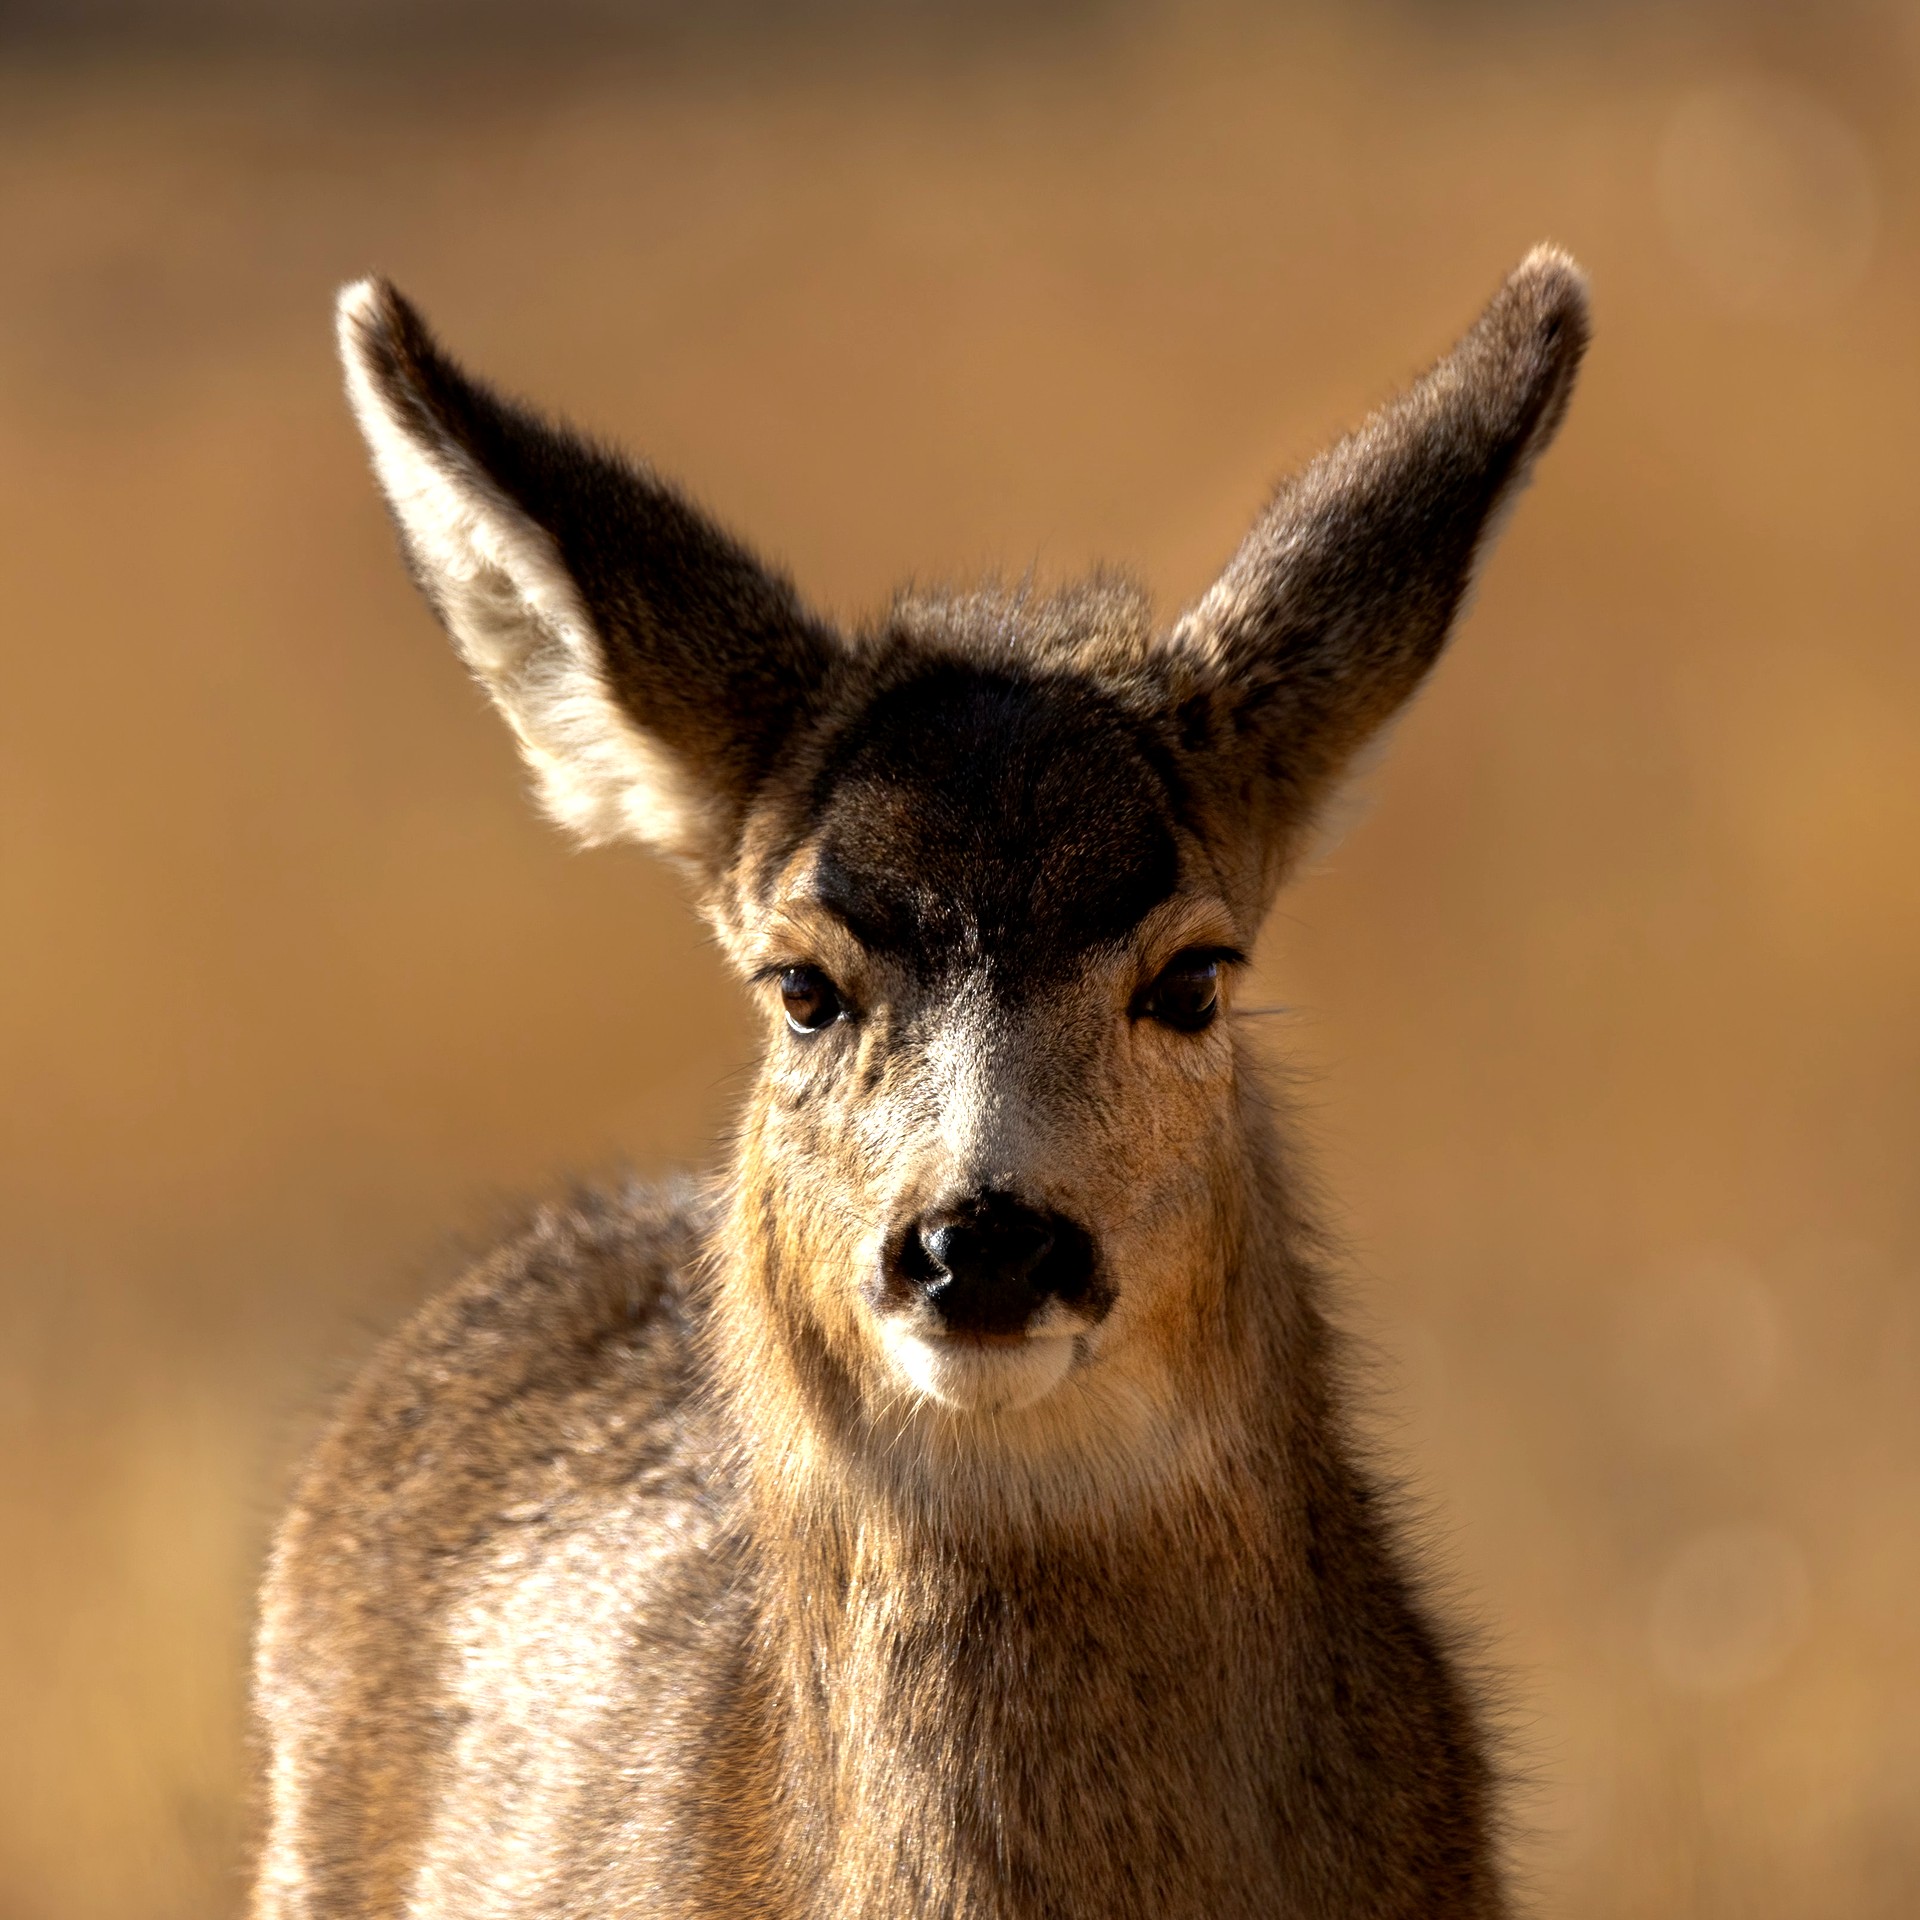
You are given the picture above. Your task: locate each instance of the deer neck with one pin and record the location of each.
(963, 1690)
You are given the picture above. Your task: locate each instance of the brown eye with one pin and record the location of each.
(1186, 996)
(812, 1000)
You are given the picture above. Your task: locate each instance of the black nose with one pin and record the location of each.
(988, 1264)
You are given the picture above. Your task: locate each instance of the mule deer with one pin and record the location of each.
(950, 1511)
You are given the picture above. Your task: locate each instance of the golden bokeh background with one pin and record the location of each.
(1606, 1020)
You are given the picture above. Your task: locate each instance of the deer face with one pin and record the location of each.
(996, 965)
(991, 867)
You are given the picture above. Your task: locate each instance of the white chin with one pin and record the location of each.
(975, 1378)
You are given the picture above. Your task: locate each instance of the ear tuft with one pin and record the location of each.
(366, 311)
(1536, 330)
(1552, 285)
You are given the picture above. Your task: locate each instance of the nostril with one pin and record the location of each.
(915, 1260)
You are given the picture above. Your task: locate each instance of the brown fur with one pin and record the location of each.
(675, 1562)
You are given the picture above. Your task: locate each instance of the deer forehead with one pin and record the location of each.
(970, 819)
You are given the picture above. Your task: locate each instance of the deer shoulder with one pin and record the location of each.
(509, 1548)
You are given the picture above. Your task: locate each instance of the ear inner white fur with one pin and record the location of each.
(517, 616)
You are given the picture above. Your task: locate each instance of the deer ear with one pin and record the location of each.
(1341, 598)
(649, 666)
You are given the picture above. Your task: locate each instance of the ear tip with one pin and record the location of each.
(364, 306)
(1551, 263)
(374, 321)
(1549, 290)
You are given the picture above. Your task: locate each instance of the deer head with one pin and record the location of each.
(991, 865)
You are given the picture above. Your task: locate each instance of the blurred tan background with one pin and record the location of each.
(1608, 1017)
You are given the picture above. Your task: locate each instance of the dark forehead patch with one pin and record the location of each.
(972, 815)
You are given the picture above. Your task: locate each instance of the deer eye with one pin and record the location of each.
(812, 1000)
(1186, 994)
